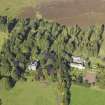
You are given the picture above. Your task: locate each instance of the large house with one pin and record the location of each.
(78, 62)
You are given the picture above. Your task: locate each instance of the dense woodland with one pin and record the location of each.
(49, 42)
(31, 39)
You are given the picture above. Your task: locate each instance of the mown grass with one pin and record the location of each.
(13, 7)
(36, 93)
(87, 96)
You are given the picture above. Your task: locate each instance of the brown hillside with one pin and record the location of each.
(71, 12)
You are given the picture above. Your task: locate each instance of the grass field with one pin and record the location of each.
(87, 96)
(13, 7)
(26, 93)
(30, 94)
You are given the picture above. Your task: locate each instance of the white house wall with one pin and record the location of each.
(79, 66)
(32, 67)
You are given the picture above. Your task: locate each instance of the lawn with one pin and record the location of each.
(27, 93)
(87, 96)
(35, 93)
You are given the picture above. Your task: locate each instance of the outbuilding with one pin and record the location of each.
(34, 65)
(90, 78)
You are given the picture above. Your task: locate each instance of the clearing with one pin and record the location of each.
(36, 93)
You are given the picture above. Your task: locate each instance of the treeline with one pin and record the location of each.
(47, 41)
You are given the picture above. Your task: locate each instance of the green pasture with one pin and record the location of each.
(39, 93)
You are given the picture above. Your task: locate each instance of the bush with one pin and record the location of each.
(5, 83)
(80, 78)
(86, 84)
(77, 76)
(0, 102)
(101, 78)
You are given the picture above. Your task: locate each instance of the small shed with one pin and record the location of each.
(90, 77)
(34, 65)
